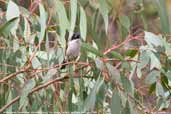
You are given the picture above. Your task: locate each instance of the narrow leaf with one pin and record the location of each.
(83, 24)
(161, 6)
(89, 48)
(104, 11)
(73, 5)
(116, 103)
(42, 22)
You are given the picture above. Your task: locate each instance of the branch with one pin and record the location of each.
(38, 88)
(14, 74)
(128, 39)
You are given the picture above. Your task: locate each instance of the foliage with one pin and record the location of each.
(122, 69)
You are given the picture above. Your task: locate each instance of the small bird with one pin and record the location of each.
(73, 49)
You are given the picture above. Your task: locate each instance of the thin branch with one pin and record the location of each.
(14, 74)
(34, 90)
(38, 88)
(9, 104)
(128, 39)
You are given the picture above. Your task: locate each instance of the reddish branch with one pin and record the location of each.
(37, 89)
(128, 39)
(14, 74)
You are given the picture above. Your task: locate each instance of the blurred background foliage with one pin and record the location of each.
(124, 66)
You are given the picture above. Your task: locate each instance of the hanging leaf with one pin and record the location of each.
(104, 11)
(90, 101)
(73, 5)
(155, 62)
(27, 30)
(63, 22)
(152, 77)
(36, 63)
(116, 105)
(161, 6)
(5, 29)
(152, 39)
(125, 22)
(29, 85)
(89, 48)
(13, 12)
(159, 90)
(42, 22)
(83, 23)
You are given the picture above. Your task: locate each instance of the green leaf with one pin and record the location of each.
(159, 90)
(116, 105)
(131, 52)
(152, 77)
(29, 85)
(49, 76)
(127, 84)
(6, 28)
(104, 11)
(9, 109)
(116, 55)
(88, 47)
(27, 31)
(36, 63)
(42, 22)
(13, 12)
(144, 59)
(42, 55)
(125, 22)
(91, 99)
(63, 22)
(168, 75)
(83, 23)
(73, 5)
(127, 109)
(152, 39)
(155, 62)
(126, 65)
(161, 6)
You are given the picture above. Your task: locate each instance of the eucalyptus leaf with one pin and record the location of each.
(13, 12)
(159, 90)
(161, 6)
(42, 22)
(104, 9)
(63, 22)
(29, 85)
(91, 49)
(152, 77)
(73, 5)
(124, 20)
(116, 103)
(91, 99)
(83, 23)
(5, 29)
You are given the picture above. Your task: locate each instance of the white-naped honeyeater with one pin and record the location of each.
(73, 48)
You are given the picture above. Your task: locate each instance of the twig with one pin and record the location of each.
(34, 90)
(38, 88)
(13, 75)
(9, 104)
(128, 39)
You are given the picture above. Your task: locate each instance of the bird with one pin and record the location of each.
(74, 44)
(73, 48)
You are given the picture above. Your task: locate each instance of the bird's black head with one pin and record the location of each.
(76, 36)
